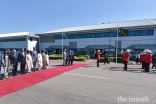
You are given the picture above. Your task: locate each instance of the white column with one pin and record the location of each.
(62, 44)
(27, 40)
(117, 44)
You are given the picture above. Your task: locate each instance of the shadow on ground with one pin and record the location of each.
(55, 65)
(132, 70)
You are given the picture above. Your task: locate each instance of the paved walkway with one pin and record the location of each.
(93, 61)
(107, 84)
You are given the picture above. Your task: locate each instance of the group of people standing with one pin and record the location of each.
(98, 56)
(11, 60)
(68, 57)
(145, 58)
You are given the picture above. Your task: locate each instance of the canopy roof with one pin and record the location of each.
(146, 23)
(18, 34)
(100, 46)
(58, 46)
(143, 46)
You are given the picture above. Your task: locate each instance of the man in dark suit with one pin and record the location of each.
(10, 54)
(22, 60)
(71, 58)
(0, 65)
(14, 62)
(67, 59)
(34, 57)
(105, 57)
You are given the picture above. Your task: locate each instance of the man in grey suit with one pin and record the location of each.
(34, 58)
(0, 65)
(64, 57)
(44, 59)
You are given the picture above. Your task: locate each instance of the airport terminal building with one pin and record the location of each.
(87, 39)
(141, 35)
(26, 40)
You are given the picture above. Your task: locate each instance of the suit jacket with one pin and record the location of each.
(34, 55)
(21, 57)
(71, 56)
(14, 60)
(106, 55)
(10, 54)
(67, 56)
(64, 55)
(43, 56)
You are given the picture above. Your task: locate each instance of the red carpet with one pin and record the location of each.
(17, 83)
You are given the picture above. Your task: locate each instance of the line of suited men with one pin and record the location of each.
(10, 60)
(68, 57)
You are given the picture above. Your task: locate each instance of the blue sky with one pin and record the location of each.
(40, 16)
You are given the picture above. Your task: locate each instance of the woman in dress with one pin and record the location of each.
(39, 59)
(29, 61)
(47, 59)
(5, 63)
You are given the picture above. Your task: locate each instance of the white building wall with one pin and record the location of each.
(31, 44)
(19, 44)
(125, 41)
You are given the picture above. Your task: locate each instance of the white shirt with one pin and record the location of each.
(138, 55)
(23, 54)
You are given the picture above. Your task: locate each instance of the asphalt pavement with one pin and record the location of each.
(106, 84)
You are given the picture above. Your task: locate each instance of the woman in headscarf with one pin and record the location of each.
(29, 61)
(47, 59)
(39, 59)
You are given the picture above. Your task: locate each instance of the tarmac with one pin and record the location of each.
(107, 84)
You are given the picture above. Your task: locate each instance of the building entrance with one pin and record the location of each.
(57, 51)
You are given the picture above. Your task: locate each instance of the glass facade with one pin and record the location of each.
(113, 34)
(102, 34)
(112, 51)
(12, 40)
(87, 35)
(108, 34)
(137, 33)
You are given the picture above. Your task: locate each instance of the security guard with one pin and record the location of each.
(98, 57)
(125, 58)
(148, 60)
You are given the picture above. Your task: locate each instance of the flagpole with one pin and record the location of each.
(117, 44)
(62, 44)
(27, 40)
